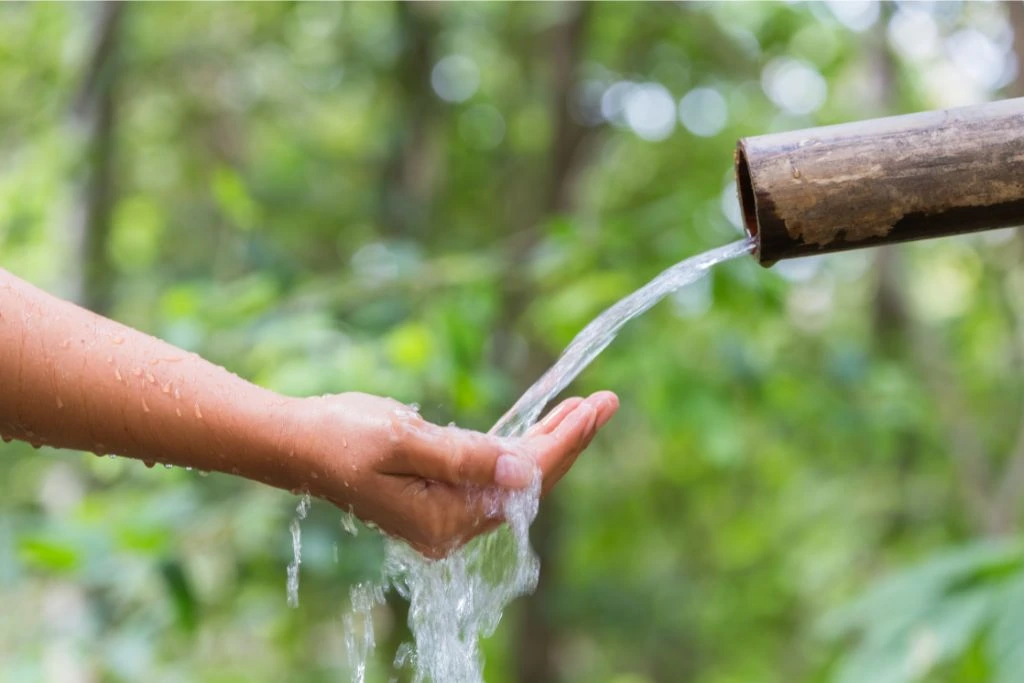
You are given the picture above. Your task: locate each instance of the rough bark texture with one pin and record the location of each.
(885, 180)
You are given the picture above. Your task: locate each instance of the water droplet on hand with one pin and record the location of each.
(145, 406)
(60, 403)
(199, 414)
(117, 341)
(148, 463)
(117, 374)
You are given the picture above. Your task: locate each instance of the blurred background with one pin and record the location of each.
(817, 471)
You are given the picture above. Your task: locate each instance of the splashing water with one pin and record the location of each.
(455, 601)
(293, 569)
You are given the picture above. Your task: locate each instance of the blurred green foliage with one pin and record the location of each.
(816, 472)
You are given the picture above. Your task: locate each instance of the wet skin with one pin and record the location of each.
(73, 379)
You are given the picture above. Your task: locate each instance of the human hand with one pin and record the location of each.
(420, 481)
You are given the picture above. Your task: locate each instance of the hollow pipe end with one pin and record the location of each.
(748, 200)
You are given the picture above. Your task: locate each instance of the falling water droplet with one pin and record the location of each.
(335, 553)
(188, 468)
(112, 455)
(168, 466)
(203, 473)
(452, 423)
(415, 407)
(296, 531)
(348, 523)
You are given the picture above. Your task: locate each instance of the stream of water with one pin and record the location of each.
(455, 601)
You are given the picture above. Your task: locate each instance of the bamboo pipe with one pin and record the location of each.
(884, 180)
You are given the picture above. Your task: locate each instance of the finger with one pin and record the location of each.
(560, 449)
(555, 417)
(607, 405)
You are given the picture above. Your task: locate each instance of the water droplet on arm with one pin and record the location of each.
(199, 413)
(117, 341)
(60, 403)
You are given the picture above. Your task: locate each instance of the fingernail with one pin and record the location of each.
(512, 472)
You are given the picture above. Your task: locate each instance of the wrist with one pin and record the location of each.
(310, 461)
(268, 444)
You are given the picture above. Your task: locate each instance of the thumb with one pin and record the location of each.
(461, 457)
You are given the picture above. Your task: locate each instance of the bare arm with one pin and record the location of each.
(73, 379)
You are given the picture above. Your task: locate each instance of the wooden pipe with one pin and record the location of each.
(884, 180)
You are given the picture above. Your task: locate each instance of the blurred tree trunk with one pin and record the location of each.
(411, 169)
(901, 337)
(991, 491)
(537, 636)
(94, 118)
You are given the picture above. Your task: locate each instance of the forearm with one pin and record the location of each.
(73, 379)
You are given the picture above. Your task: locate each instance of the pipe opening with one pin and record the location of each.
(745, 190)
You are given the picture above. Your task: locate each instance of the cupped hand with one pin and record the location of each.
(422, 482)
